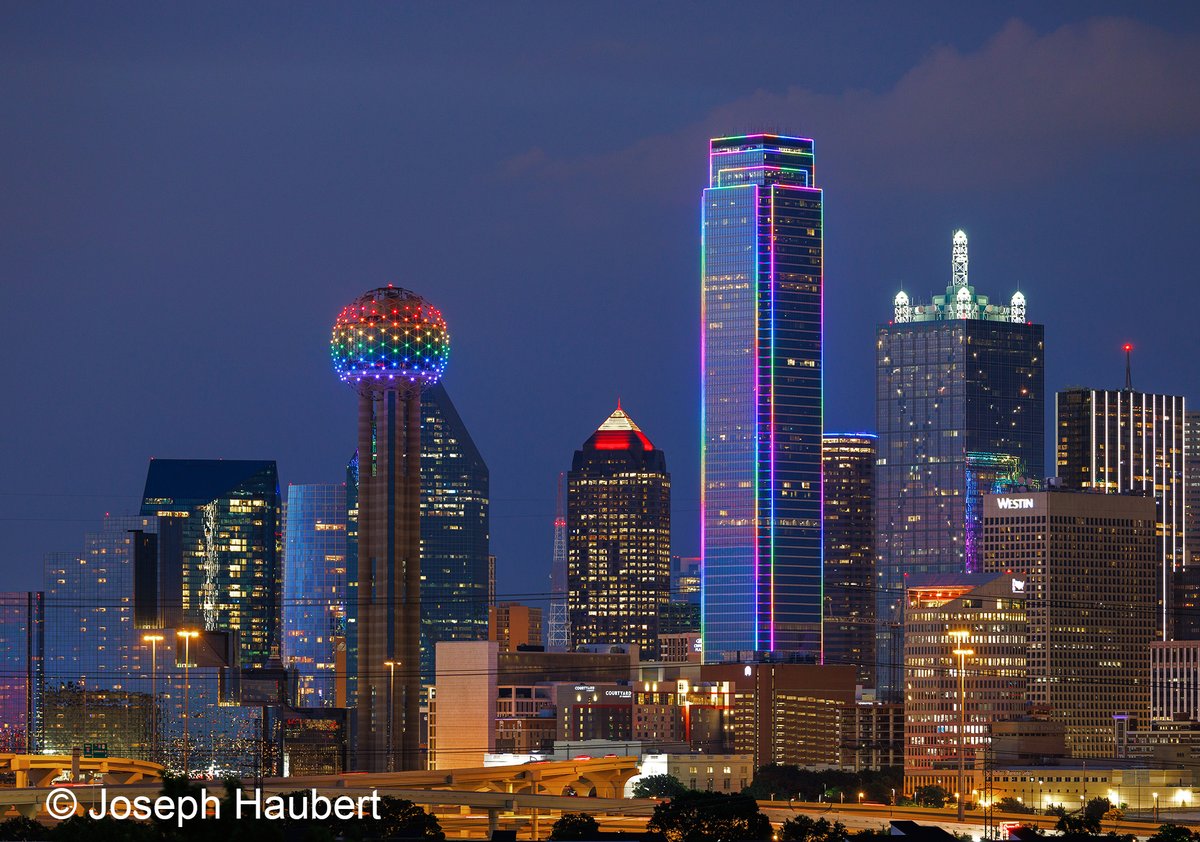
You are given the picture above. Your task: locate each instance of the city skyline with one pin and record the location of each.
(208, 225)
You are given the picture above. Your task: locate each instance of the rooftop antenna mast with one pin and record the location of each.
(558, 630)
(1128, 371)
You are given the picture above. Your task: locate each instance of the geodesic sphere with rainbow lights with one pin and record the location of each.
(390, 338)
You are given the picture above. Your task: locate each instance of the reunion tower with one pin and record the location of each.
(388, 345)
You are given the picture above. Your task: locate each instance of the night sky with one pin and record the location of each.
(190, 192)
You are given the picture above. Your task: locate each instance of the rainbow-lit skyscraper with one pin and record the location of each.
(762, 252)
(388, 345)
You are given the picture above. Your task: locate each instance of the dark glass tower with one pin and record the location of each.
(618, 537)
(761, 368)
(314, 591)
(219, 547)
(1112, 441)
(960, 410)
(850, 552)
(454, 530)
(22, 653)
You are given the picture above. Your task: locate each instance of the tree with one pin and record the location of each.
(1008, 804)
(21, 828)
(710, 817)
(658, 786)
(574, 826)
(83, 828)
(931, 795)
(806, 829)
(398, 817)
(1086, 820)
(1166, 833)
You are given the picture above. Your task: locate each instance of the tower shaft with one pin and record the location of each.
(389, 579)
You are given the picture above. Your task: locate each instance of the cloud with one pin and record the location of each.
(1021, 107)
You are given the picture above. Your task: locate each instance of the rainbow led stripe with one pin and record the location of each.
(388, 335)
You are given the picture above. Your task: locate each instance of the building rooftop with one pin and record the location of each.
(618, 432)
(960, 301)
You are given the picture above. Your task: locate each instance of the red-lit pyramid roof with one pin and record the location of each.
(618, 432)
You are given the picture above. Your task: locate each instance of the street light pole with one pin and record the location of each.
(153, 640)
(960, 637)
(391, 755)
(187, 636)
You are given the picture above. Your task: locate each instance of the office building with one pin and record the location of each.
(1175, 680)
(513, 625)
(480, 690)
(107, 722)
(695, 715)
(680, 647)
(849, 569)
(1088, 564)
(951, 701)
(312, 741)
(218, 549)
(314, 592)
(388, 345)
(762, 252)
(707, 772)
(1141, 791)
(685, 579)
(1187, 593)
(598, 710)
(618, 537)
(22, 660)
(959, 411)
(454, 530)
(874, 735)
(789, 713)
(91, 635)
(104, 673)
(1116, 441)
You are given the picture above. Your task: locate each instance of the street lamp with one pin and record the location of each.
(153, 640)
(188, 636)
(391, 665)
(861, 795)
(1156, 808)
(960, 637)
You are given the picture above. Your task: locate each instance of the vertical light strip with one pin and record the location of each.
(757, 422)
(1183, 481)
(1095, 479)
(703, 427)
(774, 489)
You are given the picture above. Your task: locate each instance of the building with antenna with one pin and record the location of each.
(959, 411)
(1121, 440)
(618, 537)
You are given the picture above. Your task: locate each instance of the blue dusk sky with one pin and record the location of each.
(190, 192)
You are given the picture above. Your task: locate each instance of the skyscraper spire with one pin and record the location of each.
(958, 259)
(1128, 371)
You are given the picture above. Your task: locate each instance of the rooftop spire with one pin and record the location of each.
(618, 432)
(1128, 371)
(958, 259)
